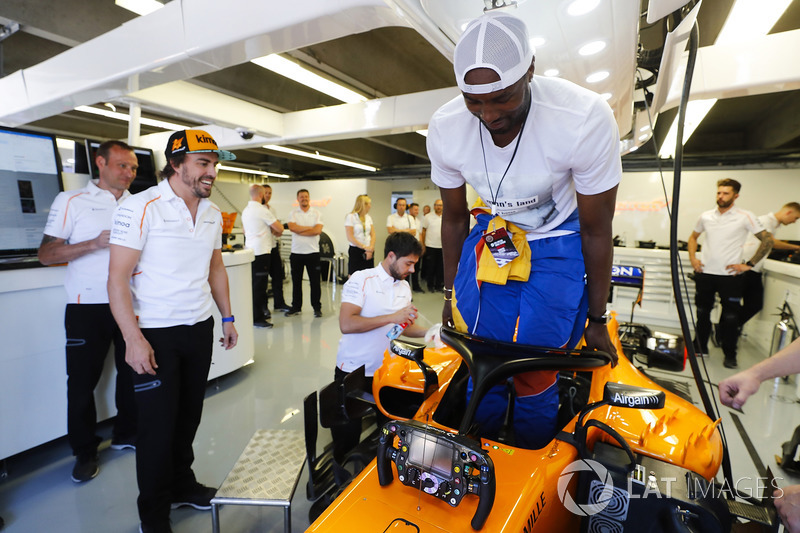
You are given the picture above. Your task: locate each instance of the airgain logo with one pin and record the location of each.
(601, 498)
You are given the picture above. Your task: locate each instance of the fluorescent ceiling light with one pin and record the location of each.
(606, 96)
(251, 171)
(551, 72)
(696, 111)
(424, 133)
(581, 7)
(597, 76)
(594, 47)
(140, 7)
(295, 72)
(126, 118)
(751, 18)
(314, 155)
(747, 19)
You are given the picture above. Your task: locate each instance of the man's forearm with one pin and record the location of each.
(54, 251)
(218, 282)
(764, 248)
(121, 303)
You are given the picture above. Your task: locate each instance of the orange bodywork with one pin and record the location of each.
(526, 496)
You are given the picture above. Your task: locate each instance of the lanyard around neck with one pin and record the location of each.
(513, 155)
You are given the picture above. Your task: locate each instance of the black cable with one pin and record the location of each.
(673, 254)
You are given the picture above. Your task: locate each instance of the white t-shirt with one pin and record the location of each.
(433, 230)
(305, 244)
(170, 282)
(725, 234)
(361, 231)
(256, 221)
(752, 243)
(376, 293)
(78, 216)
(402, 222)
(570, 143)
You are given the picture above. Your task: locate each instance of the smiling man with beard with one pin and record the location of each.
(165, 275)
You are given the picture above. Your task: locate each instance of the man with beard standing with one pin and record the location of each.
(726, 229)
(165, 274)
(373, 301)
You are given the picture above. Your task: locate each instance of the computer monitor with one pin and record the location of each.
(30, 179)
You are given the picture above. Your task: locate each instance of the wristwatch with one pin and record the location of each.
(602, 319)
(749, 263)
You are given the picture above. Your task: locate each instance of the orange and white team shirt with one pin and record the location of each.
(377, 293)
(170, 282)
(77, 216)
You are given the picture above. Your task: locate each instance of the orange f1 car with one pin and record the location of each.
(630, 456)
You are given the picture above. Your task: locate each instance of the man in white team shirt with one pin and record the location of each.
(373, 301)
(400, 220)
(77, 233)
(305, 223)
(726, 229)
(260, 229)
(433, 270)
(165, 274)
(753, 290)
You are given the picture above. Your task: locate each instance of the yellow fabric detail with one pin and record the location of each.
(517, 270)
(458, 321)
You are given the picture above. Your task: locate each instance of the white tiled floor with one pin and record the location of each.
(294, 358)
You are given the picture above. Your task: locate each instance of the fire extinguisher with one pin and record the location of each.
(784, 332)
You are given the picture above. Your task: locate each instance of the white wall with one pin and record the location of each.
(641, 214)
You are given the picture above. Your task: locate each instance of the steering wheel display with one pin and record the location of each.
(439, 463)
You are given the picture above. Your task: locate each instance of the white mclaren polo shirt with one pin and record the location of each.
(725, 234)
(170, 282)
(77, 216)
(376, 293)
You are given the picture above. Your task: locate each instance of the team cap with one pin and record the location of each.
(195, 141)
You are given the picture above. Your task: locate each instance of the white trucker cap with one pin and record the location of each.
(496, 41)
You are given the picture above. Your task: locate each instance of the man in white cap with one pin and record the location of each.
(543, 155)
(165, 275)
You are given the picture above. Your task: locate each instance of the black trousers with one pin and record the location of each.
(277, 275)
(434, 265)
(752, 296)
(170, 407)
(309, 262)
(260, 268)
(356, 260)
(729, 289)
(90, 330)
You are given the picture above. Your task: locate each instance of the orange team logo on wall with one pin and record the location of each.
(654, 205)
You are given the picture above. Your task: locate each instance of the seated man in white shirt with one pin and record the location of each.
(373, 301)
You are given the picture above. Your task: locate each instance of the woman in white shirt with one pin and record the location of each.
(360, 235)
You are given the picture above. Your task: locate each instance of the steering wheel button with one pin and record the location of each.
(457, 492)
(452, 501)
(404, 448)
(456, 470)
(463, 455)
(473, 457)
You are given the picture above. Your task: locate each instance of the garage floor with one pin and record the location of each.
(291, 360)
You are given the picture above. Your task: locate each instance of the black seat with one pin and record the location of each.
(490, 361)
